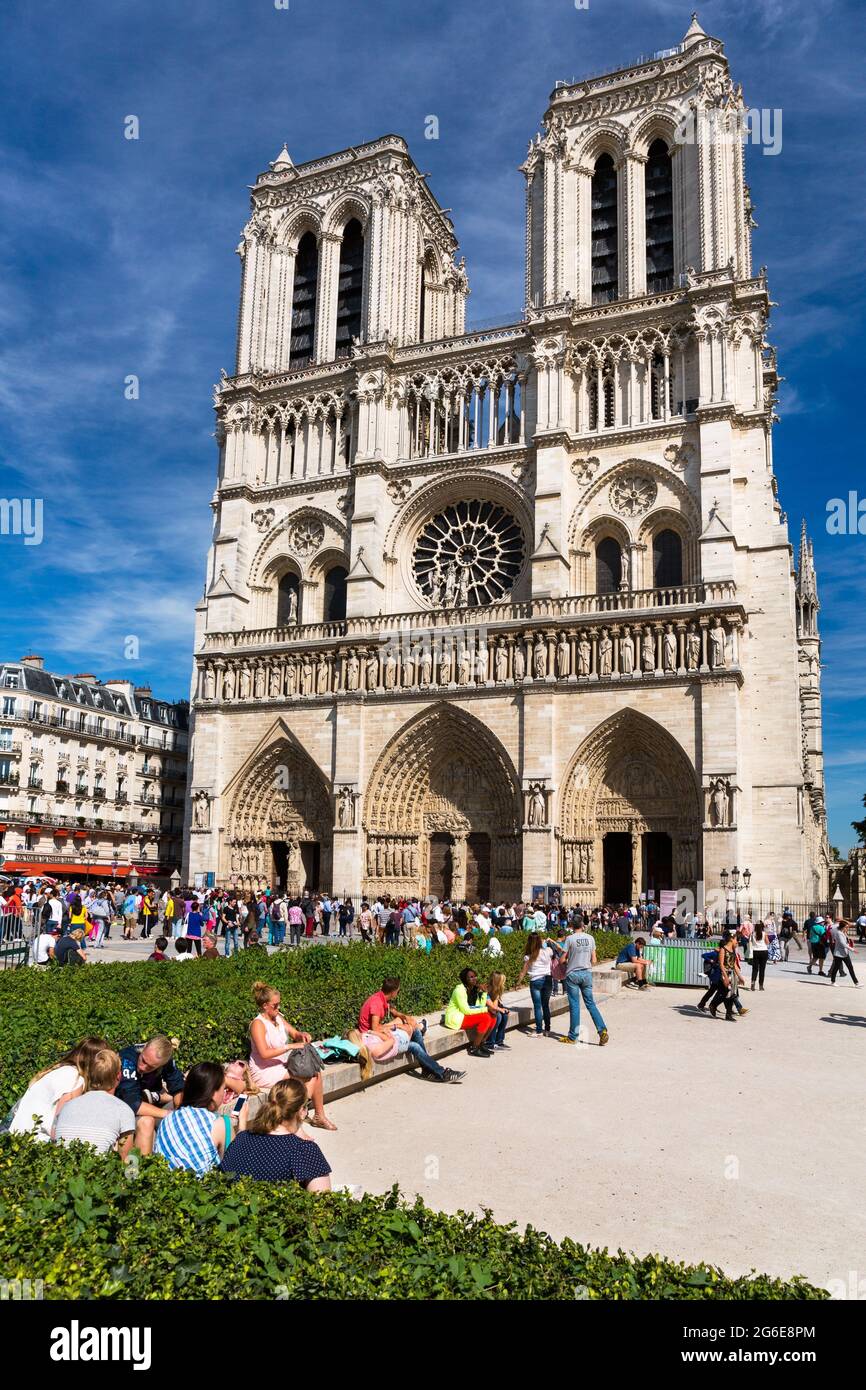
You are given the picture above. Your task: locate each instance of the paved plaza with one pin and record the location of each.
(737, 1144)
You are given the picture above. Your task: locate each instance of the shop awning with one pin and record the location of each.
(33, 830)
(79, 834)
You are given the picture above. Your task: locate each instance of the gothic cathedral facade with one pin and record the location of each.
(492, 610)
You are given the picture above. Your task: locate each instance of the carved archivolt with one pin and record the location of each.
(629, 774)
(443, 771)
(658, 483)
(280, 542)
(279, 795)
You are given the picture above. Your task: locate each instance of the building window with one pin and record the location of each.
(36, 710)
(351, 287)
(121, 731)
(659, 207)
(10, 680)
(62, 716)
(99, 725)
(288, 601)
(667, 560)
(335, 594)
(6, 740)
(9, 706)
(605, 228)
(34, 779)
(304, 296)
(608, 566)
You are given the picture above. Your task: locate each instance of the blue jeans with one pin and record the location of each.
(417, 1050)
(540, 991)
(578, 983)
(497, 1034)
(231, 935)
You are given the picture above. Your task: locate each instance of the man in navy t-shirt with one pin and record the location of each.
(150, 1082)
(631, 962)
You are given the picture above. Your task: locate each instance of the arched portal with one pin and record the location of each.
(443, 812)
(279, 824)
(630, 815)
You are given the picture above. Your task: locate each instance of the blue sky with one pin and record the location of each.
(117, 257)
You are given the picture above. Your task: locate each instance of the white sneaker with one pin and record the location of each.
(835, 984)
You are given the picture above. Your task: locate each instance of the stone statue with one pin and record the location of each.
(371, 669)
(626, 653)
(293, 861)
(229, 684)
(539, 659)
(519, 661)
(719, 802)
(481, 661)
(456, 865)
(450, 591)
(391, 669)
(353, 671)
(209, 683)
(437, 585)
(465, 665)
(306, 676)
(291, 678)
(244, 688)
(322, 676)
(202, 811)
(292, 615)
(648, 650)
(537, 805)
(501, 662)
(693, 649)
(445, 664)
(718, 640)
(568, 864)
(259, 683)
(371, 860)
(426, 664)
(275, 681)
(605, 654)
(463, 588)
(346, 809)
(563, 657)
(669, 650)
(584, 656)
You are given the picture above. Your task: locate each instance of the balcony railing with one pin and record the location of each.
(622, 603)
(71, 823)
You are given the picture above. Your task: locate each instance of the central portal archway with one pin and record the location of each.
(630, 818)
(443, 812)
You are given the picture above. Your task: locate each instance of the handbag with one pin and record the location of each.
(304, 1063)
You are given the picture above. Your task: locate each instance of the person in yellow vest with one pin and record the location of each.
(149, 914)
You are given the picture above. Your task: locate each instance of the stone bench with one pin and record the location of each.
(344, 1078)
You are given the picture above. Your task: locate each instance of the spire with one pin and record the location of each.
(694, 32)
(283, 159)
(807, 582)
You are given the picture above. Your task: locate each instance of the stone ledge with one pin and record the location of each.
(344, 1078)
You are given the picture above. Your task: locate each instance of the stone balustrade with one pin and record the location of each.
(623, 603)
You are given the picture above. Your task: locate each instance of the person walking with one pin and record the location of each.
(346, 914)
(842, 954)
(579, 955)
(538, 964)
(817, 945)
(725, 980)
(760, 949)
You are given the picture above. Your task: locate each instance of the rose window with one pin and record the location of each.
(468, 555)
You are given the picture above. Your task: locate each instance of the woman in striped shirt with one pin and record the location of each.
(193, 1136)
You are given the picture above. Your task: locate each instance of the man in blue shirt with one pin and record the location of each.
(632, 962)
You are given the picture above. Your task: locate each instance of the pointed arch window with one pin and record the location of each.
(304, 296)
(350, 291)
(335, 594)
(667, 560)
(659, 211)
(605, 231)
(608, 566)
(288, 601)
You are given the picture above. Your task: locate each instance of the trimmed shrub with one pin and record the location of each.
(93, 1230)
(209, 1006)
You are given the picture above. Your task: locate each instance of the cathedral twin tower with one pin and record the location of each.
(488, 611)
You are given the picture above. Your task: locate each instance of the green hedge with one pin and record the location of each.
(92, 1230)
(208, 1006)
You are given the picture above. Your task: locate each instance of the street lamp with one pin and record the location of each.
(739, 882)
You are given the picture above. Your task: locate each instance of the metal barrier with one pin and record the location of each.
(16, 934)
(679, 961)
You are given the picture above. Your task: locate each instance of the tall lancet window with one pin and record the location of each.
(304, 297)
(659, 219)
(605, 260)
(351, 287)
